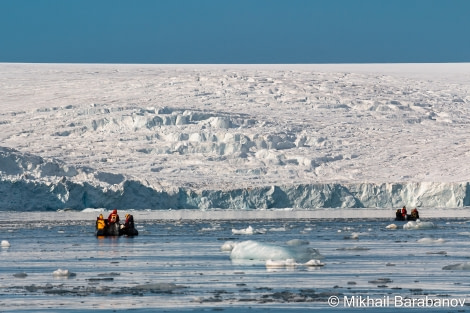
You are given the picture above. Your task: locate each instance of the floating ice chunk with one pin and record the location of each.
(5, 244)
(247, 231)
(418, 225)
(458, 266)
(291, 263)
(280, 263)
(391, 226)
(257, 251)
(297, 242)
(227, 246)
(431, 240)
(62, 273)
(279, 229)
(314, 263)
(353, 236)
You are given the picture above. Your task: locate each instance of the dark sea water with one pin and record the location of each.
(178, 265)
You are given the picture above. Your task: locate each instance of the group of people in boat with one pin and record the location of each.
(112, 227)
(402, 215)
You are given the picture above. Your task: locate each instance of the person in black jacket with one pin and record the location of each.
(128, 228)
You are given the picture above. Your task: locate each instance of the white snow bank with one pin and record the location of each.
(257, 251)
(419, 225)
(5, 244)
(459, 266)
(431, 240)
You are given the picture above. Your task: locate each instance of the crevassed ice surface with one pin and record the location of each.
(242, 125)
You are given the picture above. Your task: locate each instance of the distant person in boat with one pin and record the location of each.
(129, 223)
(113, 217)
(128, 227)
(398, 216)
(414, 214)
(100, 223)
(403, 212)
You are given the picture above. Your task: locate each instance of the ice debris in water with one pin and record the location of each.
(430, 240)
(253, 250)
(5, 244)
(227, 246)
(418, 225)
(63, 273)
(391, 226)
(248, 231)
(291, 263)
(297, 242)
(459, 266)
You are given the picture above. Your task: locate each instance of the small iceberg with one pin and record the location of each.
(257, 251)
(391, 226)
(5, 244)
(227, 246)
(431, 240)
(247, 231)
(63, 273)
(419, 225)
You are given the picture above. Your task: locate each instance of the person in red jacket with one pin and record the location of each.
(403, 212)
(113, 217)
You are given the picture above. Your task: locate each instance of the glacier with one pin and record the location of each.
(234, 137)
(32, 183)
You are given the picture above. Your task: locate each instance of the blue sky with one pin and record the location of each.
(237, 31)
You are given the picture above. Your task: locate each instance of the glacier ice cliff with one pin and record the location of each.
(31, 183)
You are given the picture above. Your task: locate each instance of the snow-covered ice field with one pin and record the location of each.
(234, 136)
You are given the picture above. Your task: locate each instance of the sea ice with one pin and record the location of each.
(431, 240)
(5, 244)
(247, 231)
(62, 273)
(227, 246)
(418, 225)
(270, 264)
(257, 251)
(459, 266)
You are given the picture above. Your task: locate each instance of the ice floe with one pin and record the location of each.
(419, 225)
(5, 244)
(428, 240)
(63, 273)
(271, 264)
(258, 251)
(248, 231)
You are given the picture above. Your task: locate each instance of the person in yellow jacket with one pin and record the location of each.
(100, 225)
